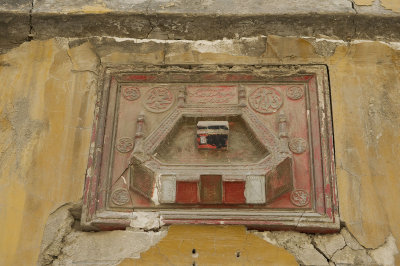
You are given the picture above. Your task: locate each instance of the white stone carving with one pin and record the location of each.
(255, 189)
(168, 188)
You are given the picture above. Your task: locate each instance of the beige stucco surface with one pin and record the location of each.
(393, 5)
(47, 98)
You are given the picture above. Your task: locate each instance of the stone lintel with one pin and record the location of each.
(16, 27)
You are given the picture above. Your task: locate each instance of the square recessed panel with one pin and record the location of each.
(208, 144)
(211, 189)
(187, 192)
(234, 192)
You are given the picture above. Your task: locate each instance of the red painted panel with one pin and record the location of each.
(186, 192)
(234, 192)
(211, 189)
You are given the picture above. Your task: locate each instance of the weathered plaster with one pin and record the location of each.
(379, 5)
(47, 100)
(65, 244)
(24, 20)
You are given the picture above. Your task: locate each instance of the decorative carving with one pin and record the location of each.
(130, 93)
(265, 100)
(283, 132)
(139, 125)
(249, 183)
(295, 93)
(282, 125)
(242, 96)
(264, 134)
(212, 95)
(159, 100)
(141, 180)
(300, 197)
(120, 196)
(297, 145)
(124, 145)
(181, 97)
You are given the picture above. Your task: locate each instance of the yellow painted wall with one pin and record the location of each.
(393, 5)
(47, 96)
(228, 245)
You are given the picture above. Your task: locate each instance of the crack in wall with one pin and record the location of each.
(31, 29)
(64, 242)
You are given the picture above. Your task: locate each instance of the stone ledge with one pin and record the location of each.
(22, 20)
(18, 27)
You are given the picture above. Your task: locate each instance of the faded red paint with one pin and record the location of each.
(234, 192)
(210, 189)
(187, 192)
(138, 77)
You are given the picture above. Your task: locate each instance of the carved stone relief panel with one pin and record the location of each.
(207, 144)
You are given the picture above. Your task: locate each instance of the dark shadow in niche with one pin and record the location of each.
(180, 145)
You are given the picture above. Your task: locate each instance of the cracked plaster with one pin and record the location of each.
(29, 20)
(65, 244)
(65, 74)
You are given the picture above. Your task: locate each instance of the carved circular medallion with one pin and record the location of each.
(159, 100)
(124, 145)
(130, 93)
(299, 197)
(120, 196)
(295, 93)
(265, 100)
(297, 145)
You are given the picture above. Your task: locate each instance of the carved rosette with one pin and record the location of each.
(124, 145)
(295, 93)
(120, 196)
(265, 100)
(158, 100)
(297, 145)
(130, 93)
(300, 197)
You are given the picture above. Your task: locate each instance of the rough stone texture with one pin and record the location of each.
(329, 244)
(48, 89)
(298, 244)
(105, 247)
(19, 6)
(58, 226)
(384, 255)
(199, 20)
(220, 7)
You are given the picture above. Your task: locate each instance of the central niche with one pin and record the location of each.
(181, 147)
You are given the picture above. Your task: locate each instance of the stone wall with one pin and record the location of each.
(48, 91)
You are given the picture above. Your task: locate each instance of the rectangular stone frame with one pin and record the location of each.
(322, 217)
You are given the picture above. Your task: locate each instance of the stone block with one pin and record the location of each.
(187, 192)
(210, 189)
(255, 189)
(234, 192)
(168, 189)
